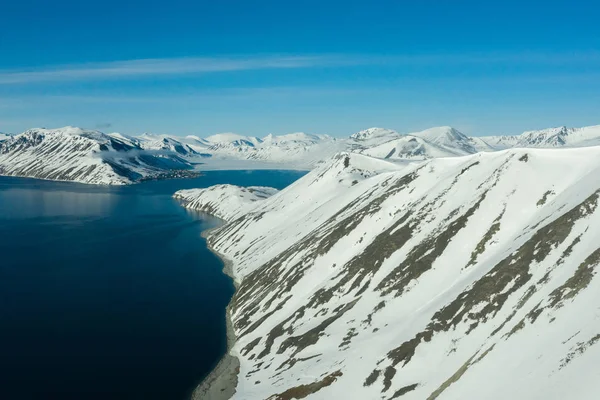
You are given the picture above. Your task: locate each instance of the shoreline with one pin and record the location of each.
(107, 185)
(221, 382)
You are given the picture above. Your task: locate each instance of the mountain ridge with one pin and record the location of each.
(85, 156)
(444, 269)
(163, 155)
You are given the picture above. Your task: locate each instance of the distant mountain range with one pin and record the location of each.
(90, 156)
(74, 154)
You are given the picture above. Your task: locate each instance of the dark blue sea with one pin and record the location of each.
(110, 293)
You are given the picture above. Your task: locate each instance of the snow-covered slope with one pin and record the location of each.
(304, 150)
(586, 136)
(298, 138)
(497, 142)
(296, 150)
(431, 143)
(224, 201)
(231, 140)
(456, 278)
(373, 137)
(117, 158)
(561, 136)
(75, 154)
(548, 138)
(4, 136)
(164, 142)
(448, 138)
(408, 147)
(197, 143)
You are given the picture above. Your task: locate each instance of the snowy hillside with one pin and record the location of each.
(442, 141)
(232, 139)
(4, 136)
(562, 136)
(74, 154)
(164, 142)
(499, 142)
(305, 151)
(296, 150)
(373, 136)
(94, 157)
(456, 278)
(224, 201)
(549, 138)
(448, 137)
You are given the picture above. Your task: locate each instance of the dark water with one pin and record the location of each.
(110, 293)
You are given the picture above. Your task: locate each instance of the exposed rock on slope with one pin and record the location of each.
(74, 154)
(306, 151)
(435, 142)
(94, 157)
(467, 277)
(561, 136)
(164, 142)
(224, 201)
(548, 138)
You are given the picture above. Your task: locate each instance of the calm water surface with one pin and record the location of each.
(110, 293)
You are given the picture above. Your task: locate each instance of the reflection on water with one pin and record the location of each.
(29, 203)
(110, 293)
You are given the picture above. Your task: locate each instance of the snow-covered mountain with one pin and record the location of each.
(431, 143)
(4, 136)
(500, 142)
(448, 137)
(296, 150)
(224, 201)
(302, 150)
(562, 136)
(374, 136)
(549, 138)
(443, 141)
(163, 154)
(231, 141)
(86, 156)
(164, 142)
(468, 277)
(306, 151)
(298, 138)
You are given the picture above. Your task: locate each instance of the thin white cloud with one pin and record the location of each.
(174, 66)
(204, 65)
(225, 94)
(497, 58)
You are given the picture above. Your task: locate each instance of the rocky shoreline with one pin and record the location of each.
(220, 384)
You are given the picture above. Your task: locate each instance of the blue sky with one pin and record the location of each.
(282, 66)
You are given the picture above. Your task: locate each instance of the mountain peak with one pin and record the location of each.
(372, 133)
(347, 255)
(441, 133)
(86, 156)
(549, 137)
(229, 138)
(296, 137)
(67, 130)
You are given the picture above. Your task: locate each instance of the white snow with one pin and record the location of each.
(224, 201)
(86, 156)
(288, 151)
(457, 320)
